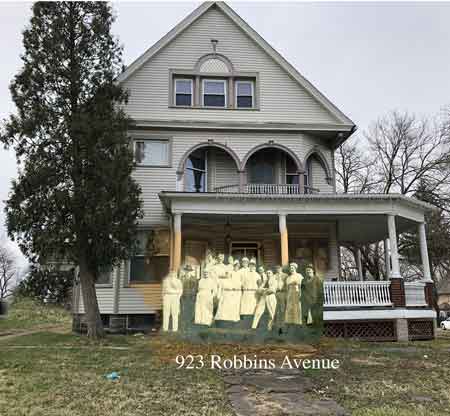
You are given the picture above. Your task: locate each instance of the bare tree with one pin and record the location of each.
(409, 150)
(405, 155)
(354, 169)
(8, 271)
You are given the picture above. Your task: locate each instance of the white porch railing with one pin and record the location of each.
(356, 294)
(266, 188)
(415, 294)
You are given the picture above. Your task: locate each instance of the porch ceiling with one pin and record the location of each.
(360, 218)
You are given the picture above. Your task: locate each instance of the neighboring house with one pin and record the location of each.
(443, 297)
(235, 153)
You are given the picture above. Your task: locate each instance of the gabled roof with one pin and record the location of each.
(228, 11)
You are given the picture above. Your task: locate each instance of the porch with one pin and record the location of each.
(298, 224)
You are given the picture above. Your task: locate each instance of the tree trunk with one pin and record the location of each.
(91, 310)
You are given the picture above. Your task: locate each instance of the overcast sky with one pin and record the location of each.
(368, 58)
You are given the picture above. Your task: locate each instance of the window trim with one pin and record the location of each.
(159, 138)
(191, 81)
(225, 88)
(236, 84)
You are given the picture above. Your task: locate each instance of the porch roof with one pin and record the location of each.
(359, 218)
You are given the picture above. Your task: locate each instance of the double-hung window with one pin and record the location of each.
(151, 152)
(145, 266)
(245, 96)
(183, 92)
(214, 93)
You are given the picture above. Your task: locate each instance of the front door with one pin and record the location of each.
(240, 249)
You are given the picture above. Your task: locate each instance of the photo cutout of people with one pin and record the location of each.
(228, 298)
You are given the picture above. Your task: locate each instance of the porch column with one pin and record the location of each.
(425, 265)
(395, 274)
(301, 182)
(424, 252)
(334, 253)
(359, 264)
(387, 258)
(241, 181)
(283, 239)
(397, 286)
(176, 242)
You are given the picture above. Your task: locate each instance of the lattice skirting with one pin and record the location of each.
(383, 330)
(420, 329)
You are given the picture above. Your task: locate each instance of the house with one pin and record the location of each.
(235, 153)
(443, 297)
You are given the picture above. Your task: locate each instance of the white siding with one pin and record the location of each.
(105, 298)
(281, 98)
(225, 170)
(319, 177)
(154, 180)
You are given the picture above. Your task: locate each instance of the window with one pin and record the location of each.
(183, 92)
(244, 94)
(239, 250)
(214, 93)
(151, 152)
(145, 266)
(104, 278)
(195, 172)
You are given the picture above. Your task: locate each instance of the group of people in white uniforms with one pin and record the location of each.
(229, 292)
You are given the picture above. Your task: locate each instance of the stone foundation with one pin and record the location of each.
(402, 330)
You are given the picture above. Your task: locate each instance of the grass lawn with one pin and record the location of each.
(27, 315)
(48, 373)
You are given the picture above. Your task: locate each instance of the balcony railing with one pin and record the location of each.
(266, 188)
(339, 294)
(415, 294)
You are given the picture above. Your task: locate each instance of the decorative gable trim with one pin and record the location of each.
(228, 11)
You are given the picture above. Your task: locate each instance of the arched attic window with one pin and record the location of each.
(214, 65)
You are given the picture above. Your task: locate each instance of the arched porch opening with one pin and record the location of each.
(275, 167)
(318, 175)
(207, 167)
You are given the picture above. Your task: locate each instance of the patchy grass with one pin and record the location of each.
(383, 379)
(62, 374)
(47, 373)
(26, 314)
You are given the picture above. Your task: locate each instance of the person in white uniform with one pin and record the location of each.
(229, 296)
(266, 299)
(204, 300)
(230, 264)
(172, 288)
(249, 279)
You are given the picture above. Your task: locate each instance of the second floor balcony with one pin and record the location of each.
(267, 188)
(268, 169)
